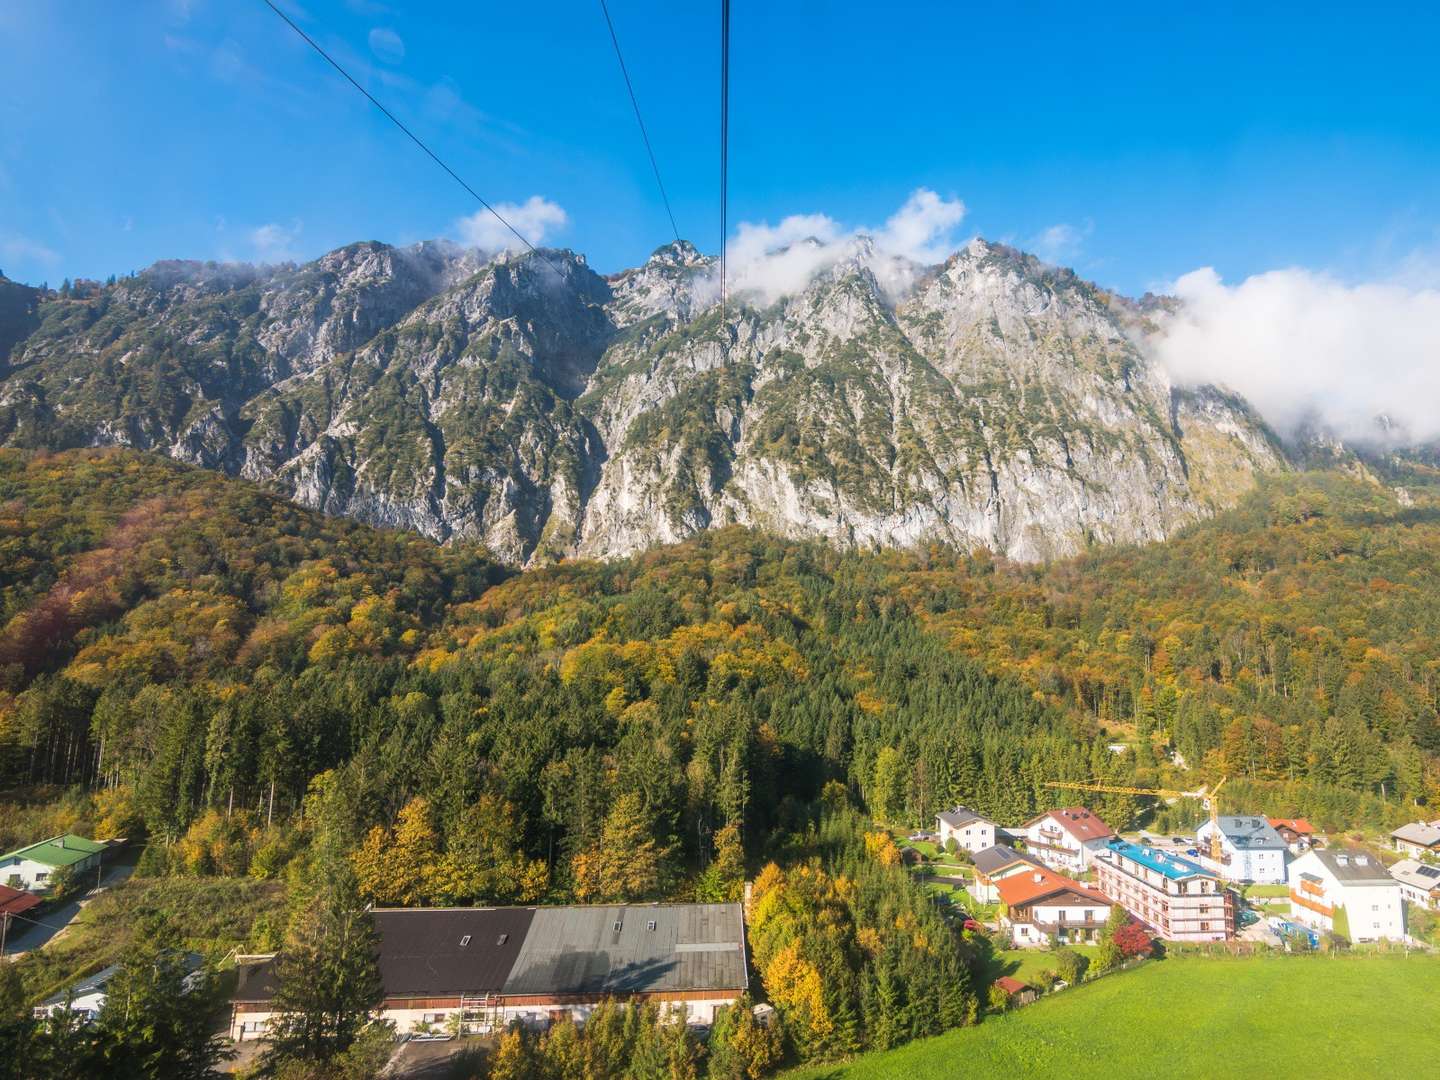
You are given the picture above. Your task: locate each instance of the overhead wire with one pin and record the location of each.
(724, 157)
(639, 119)
(414, 138)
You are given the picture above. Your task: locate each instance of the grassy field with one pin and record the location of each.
(1274, 1016)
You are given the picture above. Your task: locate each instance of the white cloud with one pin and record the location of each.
(1061, 244)
(534, 219)
(22, 249)
(776, 260)
(1304, 347)
(387, 45)
(276, 243)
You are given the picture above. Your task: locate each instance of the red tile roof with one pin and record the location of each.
(1299, 824)
(1078, 822)
(16, 902)
(1022, 889)
(1011, 985)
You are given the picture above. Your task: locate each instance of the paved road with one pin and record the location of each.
(25, 935)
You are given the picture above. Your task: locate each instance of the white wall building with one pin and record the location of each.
(1067, 839)
(1348, 892)
(1041, 905)
(1419, 883)
(1417, 838)
(968, 829)
(1251, 849)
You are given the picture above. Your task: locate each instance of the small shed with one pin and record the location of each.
(1018, 992)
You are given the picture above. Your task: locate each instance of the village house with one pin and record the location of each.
(1067, 839)
(1417, 838)
(1419, 883)
(481, 969)
(1251, 850)
(993, 865)
(34, 867)
(1041, 905)
(14, 903)
(87, 996)
(1298, 833)
(1176, 898)
(967, 828)
(1348, 892)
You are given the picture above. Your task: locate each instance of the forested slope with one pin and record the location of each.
(209, 654)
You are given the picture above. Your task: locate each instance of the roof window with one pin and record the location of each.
(650, 925)
(465, 941)
(502, 939)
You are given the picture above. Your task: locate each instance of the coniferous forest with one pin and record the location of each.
(251, 688)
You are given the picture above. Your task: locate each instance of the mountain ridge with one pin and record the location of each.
(527, 403)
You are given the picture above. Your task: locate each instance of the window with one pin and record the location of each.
(502, 939)
(650, 925)
(618, 924)
(465, 941)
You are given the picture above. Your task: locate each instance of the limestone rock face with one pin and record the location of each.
(531, 405)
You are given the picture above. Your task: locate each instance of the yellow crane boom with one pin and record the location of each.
(1209, 798)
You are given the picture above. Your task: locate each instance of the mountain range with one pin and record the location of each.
(527, 403)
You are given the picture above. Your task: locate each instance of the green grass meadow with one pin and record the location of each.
(1270, 1016)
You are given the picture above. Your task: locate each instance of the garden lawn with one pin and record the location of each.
(1182, 1017)
(1027, 964)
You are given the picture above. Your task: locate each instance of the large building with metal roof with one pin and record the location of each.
(482, 968)
(1177, 898)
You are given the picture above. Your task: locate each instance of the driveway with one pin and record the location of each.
(26, 934)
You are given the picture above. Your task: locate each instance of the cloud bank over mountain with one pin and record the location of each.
(1360, 361)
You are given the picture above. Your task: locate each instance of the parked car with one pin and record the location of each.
(1178, 840)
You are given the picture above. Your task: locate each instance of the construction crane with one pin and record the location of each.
(1209, 798)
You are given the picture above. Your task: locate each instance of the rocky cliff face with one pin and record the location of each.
(545, 411)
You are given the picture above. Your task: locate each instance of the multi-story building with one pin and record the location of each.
(1067, 839)
(994, 865)
(1177, 898)
(1419, 883)
(1349, 892)
(968, 829)
(1041, 906)
(1418, 838)
(1251, 850)
(1298, 833)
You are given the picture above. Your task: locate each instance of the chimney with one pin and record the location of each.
(62, 841)
(1039, 877)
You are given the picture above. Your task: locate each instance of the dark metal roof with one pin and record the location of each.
(999, 855)
(1352, 867)
(430, 951)
(257, 981)
(627, 949)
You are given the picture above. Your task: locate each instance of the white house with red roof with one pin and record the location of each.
(1041, 905)
(1067, 839)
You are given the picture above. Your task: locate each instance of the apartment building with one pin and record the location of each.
(1177, 898)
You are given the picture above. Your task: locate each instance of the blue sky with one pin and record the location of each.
(1135, 143)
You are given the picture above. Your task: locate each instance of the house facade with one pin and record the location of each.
(1176, 898)
(993, 865)
(1041, 905)
(1418, 838)
(1419, 883)
(482, 969)
(1348, 892)
(1068, 839)
(1298, 833)
(33, 868)
(1251, 849)
(967, 828)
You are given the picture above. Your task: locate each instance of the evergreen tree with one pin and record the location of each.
(329, 983)
(151, 1025)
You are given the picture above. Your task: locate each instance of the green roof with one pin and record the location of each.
(64, 850)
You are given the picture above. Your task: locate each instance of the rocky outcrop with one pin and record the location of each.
(529, 404)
